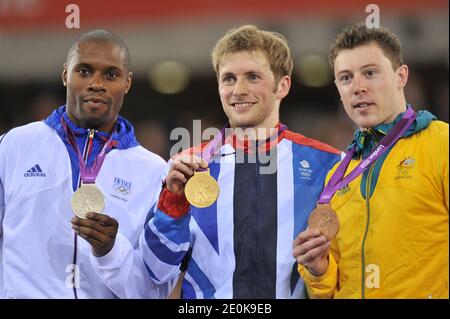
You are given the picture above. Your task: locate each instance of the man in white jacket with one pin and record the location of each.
(46, 252)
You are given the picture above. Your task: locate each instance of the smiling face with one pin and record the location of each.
(97, 79)
(248, 90)
(370, 89)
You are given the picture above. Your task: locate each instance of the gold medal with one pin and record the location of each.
(324, 218)
(201, 190)
(87, 198)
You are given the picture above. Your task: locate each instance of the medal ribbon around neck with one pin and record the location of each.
(202, 190)
(337, 181)
(87, 174)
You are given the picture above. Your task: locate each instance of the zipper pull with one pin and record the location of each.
(90, 140)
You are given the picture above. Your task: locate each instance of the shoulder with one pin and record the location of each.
(302, 140)
(141, 154)
(436, 133)
(438, 128)
(436, 136)
(26, 133)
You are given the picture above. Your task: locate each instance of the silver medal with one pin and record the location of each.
(87, 198)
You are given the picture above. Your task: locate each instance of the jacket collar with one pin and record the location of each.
(366, 140)
(252, 146)
(123, 134)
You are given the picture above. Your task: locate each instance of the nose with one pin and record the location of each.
(96, 83)
(359, 85)
(240, 88)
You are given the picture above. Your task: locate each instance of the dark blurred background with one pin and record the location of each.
(171, 41)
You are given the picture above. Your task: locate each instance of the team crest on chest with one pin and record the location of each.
(405, 168)
(305, 170)
(122, 188)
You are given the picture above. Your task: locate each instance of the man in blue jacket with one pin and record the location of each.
(45, 251)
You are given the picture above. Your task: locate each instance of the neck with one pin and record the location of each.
(262, 131)
(400, 109)
(106, 127)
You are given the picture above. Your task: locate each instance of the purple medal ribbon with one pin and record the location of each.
(210, 150)
(337, 181)
(87, 174)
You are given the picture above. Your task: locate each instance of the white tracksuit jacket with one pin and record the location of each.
(39, 255)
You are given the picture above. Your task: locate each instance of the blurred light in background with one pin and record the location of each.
(175, 39)
(313, 71)
(169, 77)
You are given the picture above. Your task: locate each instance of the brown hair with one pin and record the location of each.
(250, 38)
(359, 34)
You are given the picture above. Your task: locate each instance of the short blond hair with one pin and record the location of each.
(249, 38)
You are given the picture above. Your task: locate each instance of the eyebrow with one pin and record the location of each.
(363, 67)
(89, 66)
(82, 64)
(246, 73)
(227, 74)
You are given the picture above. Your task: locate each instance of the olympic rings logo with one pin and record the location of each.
(122, 189)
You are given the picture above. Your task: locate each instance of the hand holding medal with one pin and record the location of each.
(189, 173)
(324, 217)
(311, 246)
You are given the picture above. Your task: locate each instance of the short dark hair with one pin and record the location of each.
(359, 34)
(102, 36)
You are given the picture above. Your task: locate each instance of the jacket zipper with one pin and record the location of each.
(368, 181)
(87, 151)
(255, 221)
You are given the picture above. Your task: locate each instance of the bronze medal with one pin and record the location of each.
(325, 219)
(201, 190)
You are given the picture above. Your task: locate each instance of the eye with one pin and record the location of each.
(370, 73)
(83, 72)
(344, 78)
(228, 79)
(111, 75)
(253, 77)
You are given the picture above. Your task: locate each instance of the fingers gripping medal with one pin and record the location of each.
(201, 190)
(87, 198)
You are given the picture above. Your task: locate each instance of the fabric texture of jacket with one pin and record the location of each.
(41, 257)
(393, 240)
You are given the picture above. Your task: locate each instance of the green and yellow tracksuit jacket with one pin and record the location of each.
(393, 240)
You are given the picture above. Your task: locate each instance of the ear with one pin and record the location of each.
(402, 75)
(129, 81)
(64, 74)
(284, 86)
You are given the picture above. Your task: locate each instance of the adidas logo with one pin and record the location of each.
(35, 171)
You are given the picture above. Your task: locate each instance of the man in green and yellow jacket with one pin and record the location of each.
(393, 240)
